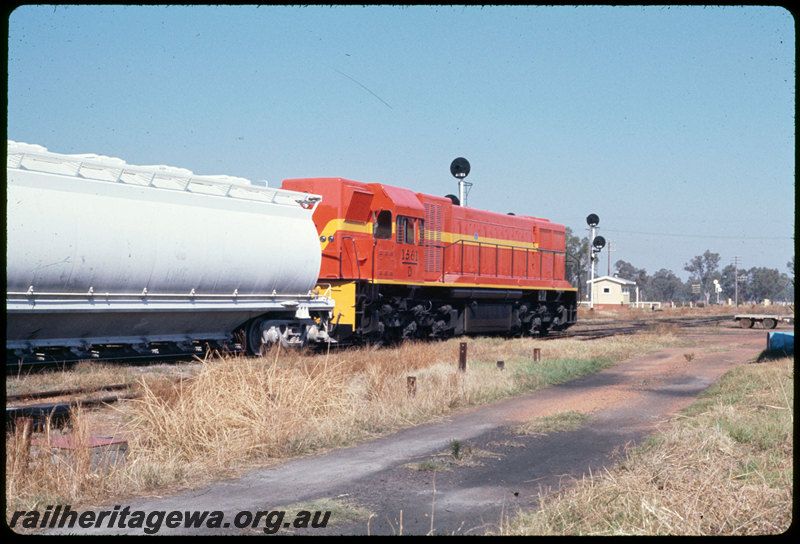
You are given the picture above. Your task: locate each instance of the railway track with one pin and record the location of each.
(57, 411)
(614, 328)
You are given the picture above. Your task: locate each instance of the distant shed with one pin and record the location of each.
(612, 292)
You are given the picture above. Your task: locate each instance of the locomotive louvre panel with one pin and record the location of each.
(545, 260)
(433, 237)
(518, 260)
(547, 265)
(559, 241)
(558, 266)
(546, 240)
(504, 261)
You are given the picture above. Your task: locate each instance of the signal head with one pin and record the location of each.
(599, 243)
(454, 199)
(592, 220)
(459, 167)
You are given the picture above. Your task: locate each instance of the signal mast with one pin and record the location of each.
(460, 169)
(596, 243)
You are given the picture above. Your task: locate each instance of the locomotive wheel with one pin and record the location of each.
(746, 323)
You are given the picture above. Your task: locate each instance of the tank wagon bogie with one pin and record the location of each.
(103, 253)
(410, 265)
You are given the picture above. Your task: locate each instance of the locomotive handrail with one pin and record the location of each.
(375, 243)
(355, 250)
(497, 246)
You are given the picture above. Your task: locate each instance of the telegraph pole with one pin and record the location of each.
(610, 249)
(736, 280)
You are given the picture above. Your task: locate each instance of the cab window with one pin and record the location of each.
(382, 225)
(405, 230)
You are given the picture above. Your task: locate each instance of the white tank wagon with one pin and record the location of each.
(100, 252)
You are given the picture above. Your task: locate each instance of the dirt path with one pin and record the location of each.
(626, 403)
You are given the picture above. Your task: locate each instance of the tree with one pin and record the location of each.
(577, 265)
(665, 286)
(767, 283)
(728, 281)
(703, 270)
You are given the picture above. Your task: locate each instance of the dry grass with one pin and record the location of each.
(459, 454)
(724, 468)
(562, 421)
(37, 475)
(234, 413)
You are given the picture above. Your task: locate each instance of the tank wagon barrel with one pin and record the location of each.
(100, 252)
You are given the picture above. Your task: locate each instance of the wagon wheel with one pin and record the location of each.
(255, 342)
(769, 323)
(746, 323)
(262, 334)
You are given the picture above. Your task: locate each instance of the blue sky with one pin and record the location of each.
(674, 124)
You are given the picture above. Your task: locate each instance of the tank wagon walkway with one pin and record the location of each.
(627, 402)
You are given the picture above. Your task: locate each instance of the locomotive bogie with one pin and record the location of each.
(385, 313)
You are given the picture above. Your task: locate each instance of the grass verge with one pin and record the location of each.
(724, 467)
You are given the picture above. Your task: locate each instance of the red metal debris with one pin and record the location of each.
(69, 442)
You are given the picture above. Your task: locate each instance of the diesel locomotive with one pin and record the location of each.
(402, 265)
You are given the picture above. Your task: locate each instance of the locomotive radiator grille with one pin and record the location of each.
(433, 237)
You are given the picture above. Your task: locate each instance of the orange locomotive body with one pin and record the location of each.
(409, 265)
